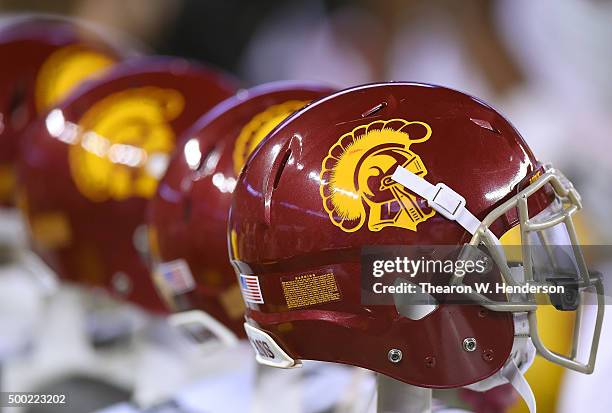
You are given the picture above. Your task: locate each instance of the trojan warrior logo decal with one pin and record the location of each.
(356, 184)
(64, 70)
(258, 127)
(124, 143)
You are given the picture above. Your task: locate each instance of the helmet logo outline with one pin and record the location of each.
(356, 184)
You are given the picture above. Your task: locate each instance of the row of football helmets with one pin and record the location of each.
(243, 213)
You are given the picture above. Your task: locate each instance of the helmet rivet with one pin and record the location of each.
(395, 355)
(469, 344)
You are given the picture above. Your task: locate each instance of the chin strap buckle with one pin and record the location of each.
(440, 197)
(447, 202)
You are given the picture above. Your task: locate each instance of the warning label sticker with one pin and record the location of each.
(310, 289)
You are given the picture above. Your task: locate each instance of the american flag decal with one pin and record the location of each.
(251, 291)
(175, 277)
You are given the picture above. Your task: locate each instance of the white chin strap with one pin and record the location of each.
(440, 197)
(521, 357)
(514, 375)
(451, 205)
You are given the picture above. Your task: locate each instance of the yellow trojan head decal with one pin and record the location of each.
(356, 182)
(124, 144)
(257, 128)
(64, 70)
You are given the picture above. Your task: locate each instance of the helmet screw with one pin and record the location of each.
(469, 344)
(395, 355)
(430, 361)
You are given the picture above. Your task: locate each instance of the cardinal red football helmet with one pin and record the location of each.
(396, 164)
(43, 59)
(188, 215)
(89, 167)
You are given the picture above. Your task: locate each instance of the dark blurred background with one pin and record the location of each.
(340, 41)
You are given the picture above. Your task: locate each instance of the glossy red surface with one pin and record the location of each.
(26, 45)
(188, 215)
(90, 166)
(285, 222)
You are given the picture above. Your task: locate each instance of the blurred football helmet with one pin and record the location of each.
(89, 167)
(188, 216)
(411, 165)
(43, 59)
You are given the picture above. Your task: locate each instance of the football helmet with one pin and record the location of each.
(188, 216)
(401, 164)
(43, 59)
(90, 166)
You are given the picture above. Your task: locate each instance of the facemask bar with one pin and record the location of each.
(571, 204)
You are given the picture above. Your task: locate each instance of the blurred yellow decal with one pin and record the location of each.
(50, 230)
(124, 144)
(7, 183)
(66, 69)
(258, 127)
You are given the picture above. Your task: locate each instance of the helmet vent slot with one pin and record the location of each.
(373, 111)
(281, 168)
(485, 125)
(276, 171)
(208, 162)
(17, 107)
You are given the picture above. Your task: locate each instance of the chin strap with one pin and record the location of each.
(517, 380)
(523, 353)
(440, 197)
(520, 361)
